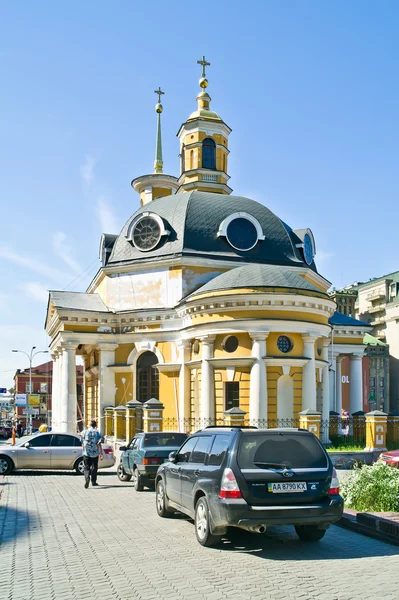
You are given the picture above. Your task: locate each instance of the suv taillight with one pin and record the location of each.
(334, 485)
(229, 486)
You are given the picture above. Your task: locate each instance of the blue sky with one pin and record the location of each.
(309, 88)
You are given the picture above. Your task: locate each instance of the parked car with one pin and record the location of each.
(141, 458)
(250, 479)
(5, 432)
(49, 451)
(390, 457)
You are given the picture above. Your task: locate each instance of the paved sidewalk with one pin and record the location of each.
(62, 542)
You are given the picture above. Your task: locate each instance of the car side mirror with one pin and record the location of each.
(172, 457)
(27, 445)
(123, 448)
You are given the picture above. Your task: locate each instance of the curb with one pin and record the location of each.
(371, 525)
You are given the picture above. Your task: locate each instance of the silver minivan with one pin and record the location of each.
(49, 451)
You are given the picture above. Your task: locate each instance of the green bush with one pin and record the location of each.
(373, 488)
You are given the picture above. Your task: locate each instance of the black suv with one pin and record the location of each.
(250, 478)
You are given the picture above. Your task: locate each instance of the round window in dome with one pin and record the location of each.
(284, 344)
(146, 234)
(241, 234)
(230, 343)
(307, 249)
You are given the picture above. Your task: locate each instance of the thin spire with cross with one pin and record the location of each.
(160, 93)
(204, 64)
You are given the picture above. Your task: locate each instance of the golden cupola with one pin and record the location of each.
(157, 184)
(204, 146)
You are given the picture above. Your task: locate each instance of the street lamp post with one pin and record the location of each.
(30, 356)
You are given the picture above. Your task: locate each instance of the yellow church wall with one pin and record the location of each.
(195, 277)
(124, 389)
(348, 340)
(259, 314)
(296, 374)
(244, 346)
(296, 339)
(122, 353)
(238, 291)
(158, 192)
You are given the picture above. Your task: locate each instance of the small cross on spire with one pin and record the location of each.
(159, 92)
(204, 64)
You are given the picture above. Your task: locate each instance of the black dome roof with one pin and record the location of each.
(193, 220)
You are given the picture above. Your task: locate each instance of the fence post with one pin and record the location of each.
(119, 427)
(310, 420)
(359, 425)
(234, 417)
(376, 430)
(109, 415)
(393, 427)
(153, 415)
(131, 408)
(333, 424)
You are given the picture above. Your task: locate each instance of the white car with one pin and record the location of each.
(49, 451)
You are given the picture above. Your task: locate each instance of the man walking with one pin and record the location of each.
(92, 449)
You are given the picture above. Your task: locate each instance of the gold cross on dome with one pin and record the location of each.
(159, 92)
(204, 64)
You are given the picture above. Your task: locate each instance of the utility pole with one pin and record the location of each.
(30, 356)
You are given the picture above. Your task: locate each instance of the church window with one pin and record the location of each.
(208, 154)
(284, 344)
(241, 234)
(182, 159)
(147, 377)
(241, 230)
(230, 343)
(191, 159)
(146, 234)
(232, 394)
(308, 250)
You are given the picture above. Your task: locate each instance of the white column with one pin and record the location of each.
(55, 388)
(67, 422)
(326, 393)
(356, 384)
(258, 380)
(184, 348)
(207, 405)
(106, 381)
(309, 399)
(338, 385)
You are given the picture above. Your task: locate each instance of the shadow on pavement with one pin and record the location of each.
(32, 473)
(13, 524)
(282, 543)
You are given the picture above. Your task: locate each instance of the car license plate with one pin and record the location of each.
(283, 488)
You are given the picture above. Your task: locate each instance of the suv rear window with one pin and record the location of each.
(164, 439)
(278, 450)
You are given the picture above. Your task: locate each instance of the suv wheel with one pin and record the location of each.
(137, 480)
(160, 500)
(309, 533)
(6, 465)
(202, 526)
(122, 475)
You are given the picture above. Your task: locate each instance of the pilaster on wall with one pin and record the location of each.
(184, 350)
(207, 406)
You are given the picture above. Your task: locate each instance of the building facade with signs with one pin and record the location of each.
(206, 301)
(40, 396)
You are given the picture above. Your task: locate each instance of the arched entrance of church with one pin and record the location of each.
(147, 377)
(285, 397)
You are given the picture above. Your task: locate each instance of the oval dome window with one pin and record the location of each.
(146, 234)
(241, 234)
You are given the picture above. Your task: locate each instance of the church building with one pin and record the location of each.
(206, 301)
